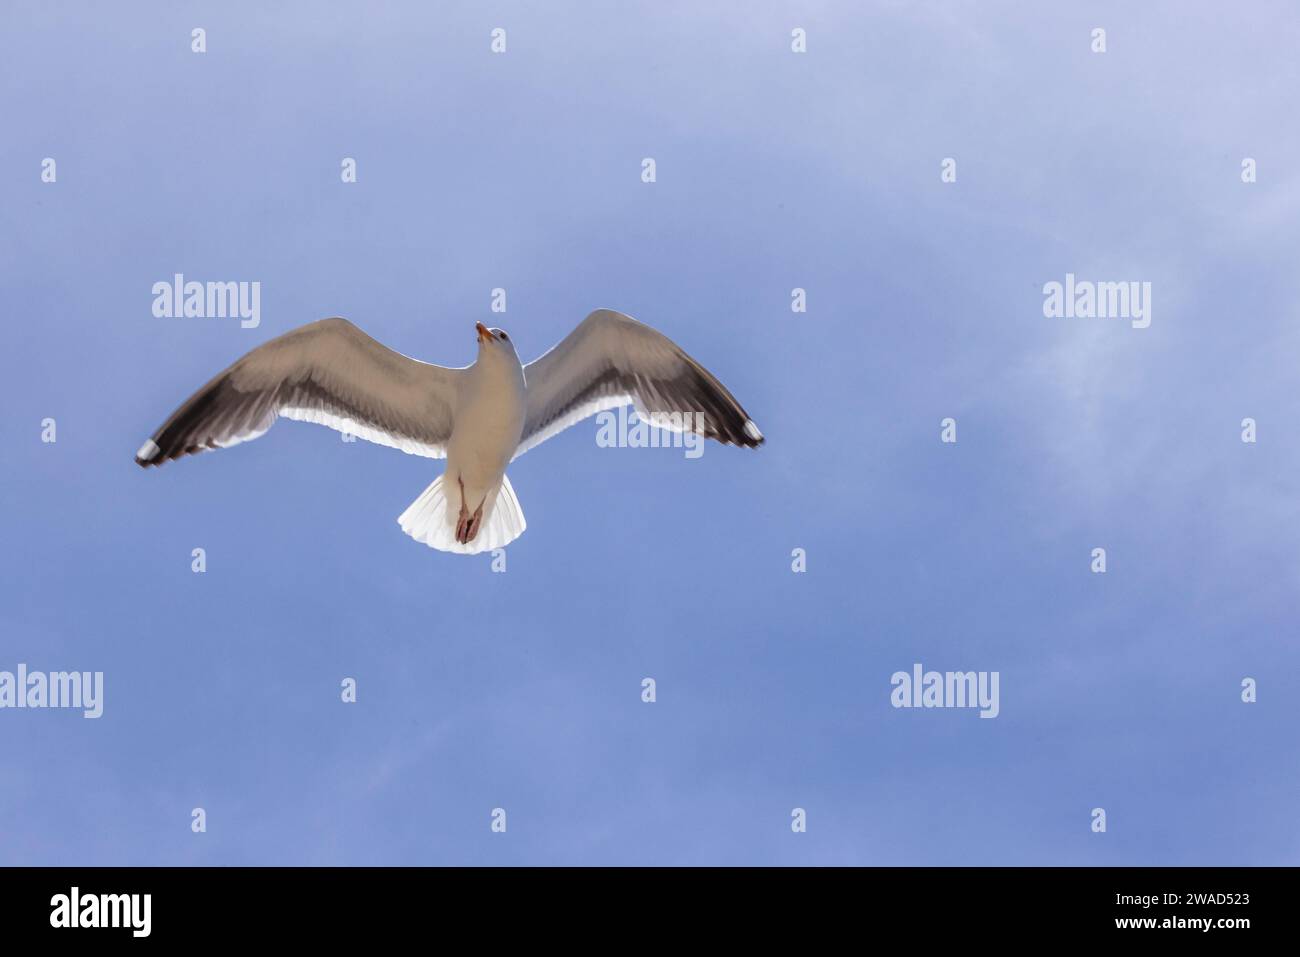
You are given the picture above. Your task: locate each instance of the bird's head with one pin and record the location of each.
(494, 341)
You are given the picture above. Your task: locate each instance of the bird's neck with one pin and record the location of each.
(494, 372)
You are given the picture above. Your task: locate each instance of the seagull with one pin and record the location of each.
(479, 418)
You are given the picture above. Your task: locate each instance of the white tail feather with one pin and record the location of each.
(430, 520)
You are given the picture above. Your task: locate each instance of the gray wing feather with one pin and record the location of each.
(328, 372)
(611, 360)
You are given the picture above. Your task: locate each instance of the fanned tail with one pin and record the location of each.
(431, 519)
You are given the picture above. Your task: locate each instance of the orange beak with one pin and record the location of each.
(483, 334)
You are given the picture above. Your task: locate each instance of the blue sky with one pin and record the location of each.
(775, 170)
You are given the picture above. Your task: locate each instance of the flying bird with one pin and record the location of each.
(479, 418)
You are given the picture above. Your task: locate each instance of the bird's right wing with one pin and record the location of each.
(328, 372)
(611, 360)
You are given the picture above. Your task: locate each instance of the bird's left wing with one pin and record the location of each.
(611, 360)
(328, 372)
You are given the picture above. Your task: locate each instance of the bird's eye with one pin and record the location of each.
(505, 337)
